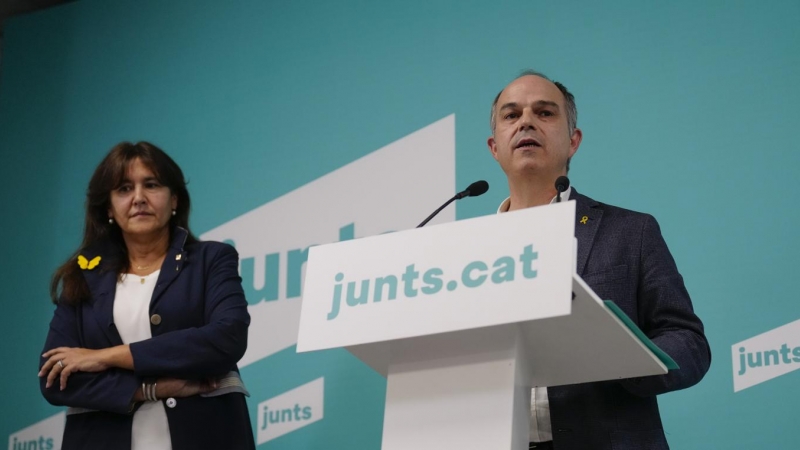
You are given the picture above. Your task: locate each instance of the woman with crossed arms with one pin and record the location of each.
(149, 321)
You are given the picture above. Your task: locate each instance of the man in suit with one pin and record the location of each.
(621, 255)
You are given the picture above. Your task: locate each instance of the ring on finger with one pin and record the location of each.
(61, 363)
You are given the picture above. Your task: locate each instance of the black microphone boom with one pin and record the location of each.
(562, 184)
(473, 190)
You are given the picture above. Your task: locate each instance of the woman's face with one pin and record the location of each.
(141, 206)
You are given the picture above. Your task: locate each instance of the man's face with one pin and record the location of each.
(531, 136)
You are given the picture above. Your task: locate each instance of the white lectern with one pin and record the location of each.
(463, 319)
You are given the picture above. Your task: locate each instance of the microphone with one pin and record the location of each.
(562, 184)
(473, 190)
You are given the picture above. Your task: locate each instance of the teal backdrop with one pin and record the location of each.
(688, 111)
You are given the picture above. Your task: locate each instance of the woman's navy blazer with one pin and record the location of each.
(199, 324)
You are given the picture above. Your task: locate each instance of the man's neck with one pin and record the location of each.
(528, 192)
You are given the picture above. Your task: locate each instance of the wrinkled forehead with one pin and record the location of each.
(530, 89)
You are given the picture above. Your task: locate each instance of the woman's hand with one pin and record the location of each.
(64, 361)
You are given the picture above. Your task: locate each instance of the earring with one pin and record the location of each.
(173, 212)
(110, 221)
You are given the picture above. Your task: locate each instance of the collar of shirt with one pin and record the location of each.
(507, 202)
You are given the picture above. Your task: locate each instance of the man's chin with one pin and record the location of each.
(531, 167)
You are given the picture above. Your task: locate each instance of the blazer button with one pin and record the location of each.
(155, 319)
(171, 402)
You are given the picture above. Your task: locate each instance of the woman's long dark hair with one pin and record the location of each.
(68, 284)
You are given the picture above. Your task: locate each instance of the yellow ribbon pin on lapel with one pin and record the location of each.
(584, 219)
(86, 264)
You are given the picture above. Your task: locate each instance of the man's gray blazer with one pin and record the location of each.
(623, 257)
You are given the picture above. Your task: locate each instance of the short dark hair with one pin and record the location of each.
(569, 102)
(67, 283)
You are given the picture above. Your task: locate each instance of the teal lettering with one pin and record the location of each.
(408, 278)
(347, 232)
(470, 282)
(296, 411)
(742, 366)
(766, 358)
(362, 298)
(274, 417)
(785, 354)
(433, 283)
(505, 270)
(296, 259)
(285, 415)
(754, 363)
(526, 258)
(389, 280)
(771, 353)
(266, 421)
(33, 444)
(294, 271)
(269, 291)
(337, 296)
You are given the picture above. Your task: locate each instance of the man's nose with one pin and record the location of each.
(526, 120)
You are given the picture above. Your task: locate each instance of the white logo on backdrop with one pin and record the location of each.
(390, 189)
(291, 410)
(766, 356)
(43, 435)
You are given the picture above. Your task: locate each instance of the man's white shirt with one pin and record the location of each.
(541, 430)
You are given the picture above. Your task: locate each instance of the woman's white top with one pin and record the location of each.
(132, 318)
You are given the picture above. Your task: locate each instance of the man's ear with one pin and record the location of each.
(492, 147)
(575, 141)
